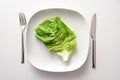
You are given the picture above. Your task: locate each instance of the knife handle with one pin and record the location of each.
(93, 53)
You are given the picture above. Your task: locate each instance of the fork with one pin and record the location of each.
(22, 26)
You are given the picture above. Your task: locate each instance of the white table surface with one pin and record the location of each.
(108, 40)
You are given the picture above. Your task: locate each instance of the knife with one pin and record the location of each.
(93, 37)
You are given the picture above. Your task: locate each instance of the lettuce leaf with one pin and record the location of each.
(57, 37)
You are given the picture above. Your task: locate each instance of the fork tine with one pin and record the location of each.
(22, 18)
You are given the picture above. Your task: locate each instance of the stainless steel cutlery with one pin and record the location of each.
(23, 26)
(93, 37)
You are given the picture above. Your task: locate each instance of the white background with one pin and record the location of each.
(108, 40)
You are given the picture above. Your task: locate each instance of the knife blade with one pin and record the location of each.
(93, 27)
(93, 37)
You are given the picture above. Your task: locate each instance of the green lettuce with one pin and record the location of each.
(57, 37)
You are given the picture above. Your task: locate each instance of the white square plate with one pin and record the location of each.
(38, 54)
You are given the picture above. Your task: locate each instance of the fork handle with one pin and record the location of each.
(93, 53)
(22, 47)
